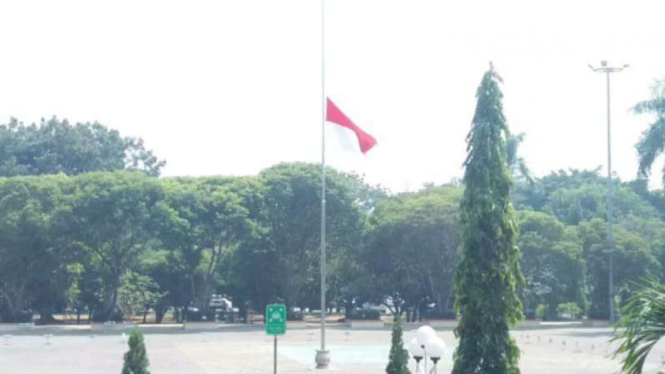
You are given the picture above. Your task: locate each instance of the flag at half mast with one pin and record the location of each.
(347, 130)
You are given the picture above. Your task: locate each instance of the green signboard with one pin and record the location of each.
(275, 319)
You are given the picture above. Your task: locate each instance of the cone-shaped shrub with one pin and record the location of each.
(136, 359)
(399, 357)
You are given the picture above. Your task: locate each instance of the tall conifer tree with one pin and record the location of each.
(488, 275)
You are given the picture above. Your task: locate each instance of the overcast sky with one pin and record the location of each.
(231, 87)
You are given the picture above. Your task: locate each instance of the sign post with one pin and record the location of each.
(275, 322)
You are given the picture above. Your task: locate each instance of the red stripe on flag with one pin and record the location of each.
(333, 114)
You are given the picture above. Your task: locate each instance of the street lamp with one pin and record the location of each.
(423, 334)
(435, 347)
(605, 68)
(417, 352)
(426, 344)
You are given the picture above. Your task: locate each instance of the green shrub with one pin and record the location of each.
(136, 359)
(541, 311)
(568, 310)
(399, 357)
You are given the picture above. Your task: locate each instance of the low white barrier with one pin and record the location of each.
(366, 325)
(201, 326)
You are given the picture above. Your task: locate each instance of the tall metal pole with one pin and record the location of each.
(610, 197)
(610, 187)
(322, 356)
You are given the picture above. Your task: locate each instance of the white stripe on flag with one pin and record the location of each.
(346, 138)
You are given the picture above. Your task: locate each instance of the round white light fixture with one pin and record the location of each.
(416, 349)
(436, 348)
(423, 334)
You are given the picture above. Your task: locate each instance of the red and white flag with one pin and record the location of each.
(347, 130)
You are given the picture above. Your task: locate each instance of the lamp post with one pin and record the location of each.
(426, 344)
(417, 352)
(605, 68)
(435, 347)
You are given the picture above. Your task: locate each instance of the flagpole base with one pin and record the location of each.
(322, 359)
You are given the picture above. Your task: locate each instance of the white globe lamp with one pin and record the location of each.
(416, 350)
(423, 334)
(436, 348)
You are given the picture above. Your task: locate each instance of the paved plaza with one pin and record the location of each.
(249, 351)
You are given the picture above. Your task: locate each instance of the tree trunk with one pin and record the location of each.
(348, 308)
(14, 302)
(176, 313)
(46, 316)
(159, 314)
(108, 309)
(422, 307)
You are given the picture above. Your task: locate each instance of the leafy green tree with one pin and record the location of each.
(169, 273)
(399, 357)
(73, 296)
(226, 224)
(569, 310)
(137, 293)
(652, 230)
(203, 221)
(578, 199)
(292, 197)
(535, 196)
(136, 359)
(349, 281)
(112, 216)
(573, 205)
(56, 146)
(488, 275)
(516, 164)
(367, 196)
(652, 142)
(32, 261)
(655, 197)
(248, 270)
(632, 251)
(552, 263)
(411, 250)
(91, 285)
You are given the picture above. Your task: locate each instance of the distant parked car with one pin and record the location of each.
(220, 302)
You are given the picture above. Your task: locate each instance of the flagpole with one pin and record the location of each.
(323, 356)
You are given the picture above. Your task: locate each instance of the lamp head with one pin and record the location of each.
(424, 333)
(415, 349)
(436, 348)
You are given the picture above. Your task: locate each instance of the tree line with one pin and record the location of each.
(87, 225)
(95, 241)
